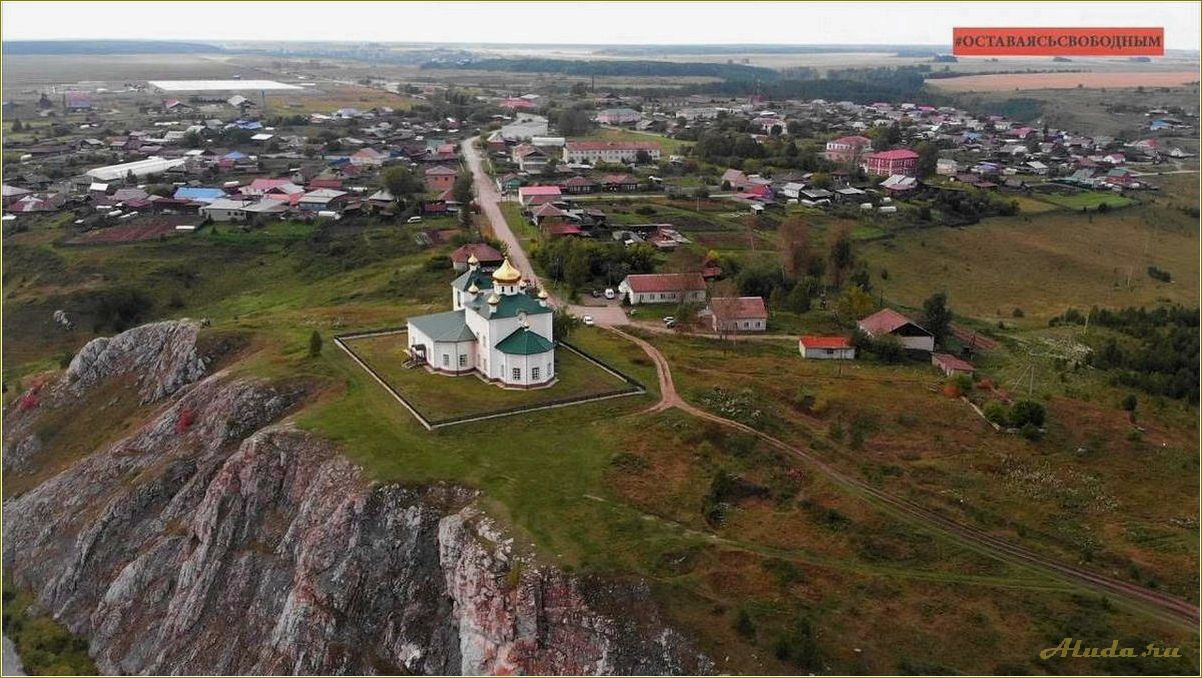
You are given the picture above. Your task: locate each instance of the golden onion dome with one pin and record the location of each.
(493, 299)
(473, 289)
(507, 274)
(472, 260)
(542, 294)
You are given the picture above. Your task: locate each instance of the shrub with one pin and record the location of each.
(1027, 412)
(744, 625)
(996, 412)
(314, 344)
(1130, 402)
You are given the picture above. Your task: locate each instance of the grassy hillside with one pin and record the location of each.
(1044, 263)
(774, 569)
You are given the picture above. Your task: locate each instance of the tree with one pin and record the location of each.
(854, 304)
(937, 317)
(841, 257)
(795, 246)
(928, 156)
(802, 295)
(563, 324)
(573, 122)
(314, 344)
(642, 157)
(686, 314)
(401, 183)
(462, 190)
(17, 126)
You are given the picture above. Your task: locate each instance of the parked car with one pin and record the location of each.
(414, 220)
(587, 320)
(596, 294)
(609, 293)
(669, 320)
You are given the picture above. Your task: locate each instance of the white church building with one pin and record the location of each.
(496, 329)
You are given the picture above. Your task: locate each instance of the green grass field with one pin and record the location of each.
(440, 397)
(1087, 200)
(1043, 264)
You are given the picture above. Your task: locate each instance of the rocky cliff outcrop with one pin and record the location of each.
(216, 538)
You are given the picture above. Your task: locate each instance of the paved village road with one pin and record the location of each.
(1164, 606)
(489, 201)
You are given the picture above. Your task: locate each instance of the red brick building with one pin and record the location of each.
(887, 163)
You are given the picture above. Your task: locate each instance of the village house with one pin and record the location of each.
(439, 178)
(536, 195)
(738, 314)
(579, 185)
(593, 152)
(847, 150)
(495, 328)
(323, 199)
(486, 256)
(368, 157)
(951, 365)
(530, 159)
(619, 183)
(815, 347)
(887, 322)
(225, 209)
(887, 163)
(663, 288)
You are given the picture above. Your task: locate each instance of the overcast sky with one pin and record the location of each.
(583, 22)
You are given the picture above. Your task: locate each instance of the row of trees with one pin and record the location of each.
(579, 263)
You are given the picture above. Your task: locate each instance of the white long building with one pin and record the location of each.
(593, 152)
(139, 168)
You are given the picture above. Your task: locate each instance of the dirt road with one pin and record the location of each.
(1161, 605)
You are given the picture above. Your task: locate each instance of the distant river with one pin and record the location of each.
(12, 663)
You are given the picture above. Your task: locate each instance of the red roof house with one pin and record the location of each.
(826, 347)
(739, 314)
(889, 322)
(662, 288)
(951, 365)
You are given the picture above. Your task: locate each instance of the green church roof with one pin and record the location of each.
(509, 307)
(483, 280)
(524, 342)
(449, 326)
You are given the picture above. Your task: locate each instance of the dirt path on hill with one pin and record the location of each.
(1166, 607)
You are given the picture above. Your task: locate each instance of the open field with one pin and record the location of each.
(329, 97)
(1002, 82)
(1087, 200)
(441, 397)
(1043, 264)
(21, 71)
(668, 146)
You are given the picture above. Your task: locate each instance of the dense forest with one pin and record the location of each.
(1157, 352)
